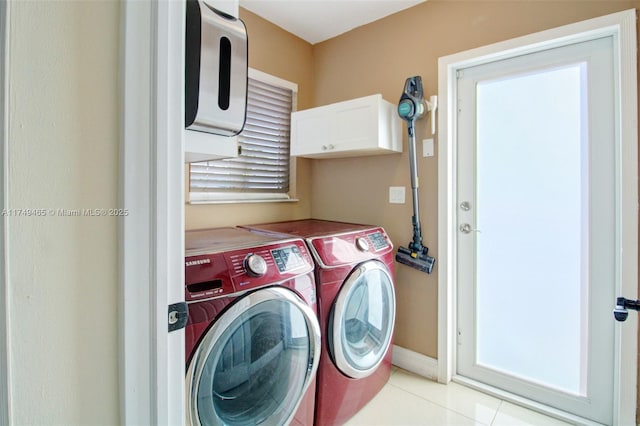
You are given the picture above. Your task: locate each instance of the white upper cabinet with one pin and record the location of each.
(358, 127)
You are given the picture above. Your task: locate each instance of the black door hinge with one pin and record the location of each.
(177, 316)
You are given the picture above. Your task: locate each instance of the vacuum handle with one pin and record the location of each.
(417, 231)
(411, 105)
(413, 87)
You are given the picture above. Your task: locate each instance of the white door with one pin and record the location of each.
(537, 231)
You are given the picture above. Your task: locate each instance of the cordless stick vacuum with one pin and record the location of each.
(411, 108)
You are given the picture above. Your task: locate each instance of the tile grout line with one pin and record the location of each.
(496, 414)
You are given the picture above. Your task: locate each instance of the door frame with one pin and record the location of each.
(151, 236)
(622, 26)
(5, 342)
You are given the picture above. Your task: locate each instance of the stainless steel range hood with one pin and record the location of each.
(215, 70)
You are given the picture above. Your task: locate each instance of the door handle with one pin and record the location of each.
(620, 312)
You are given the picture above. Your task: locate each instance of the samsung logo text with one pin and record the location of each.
(197, 262)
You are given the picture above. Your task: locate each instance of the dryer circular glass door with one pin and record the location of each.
(256, 361)
(361, 320)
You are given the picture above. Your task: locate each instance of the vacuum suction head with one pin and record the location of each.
(418, 259)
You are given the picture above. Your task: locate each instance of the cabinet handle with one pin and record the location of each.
(326, 147)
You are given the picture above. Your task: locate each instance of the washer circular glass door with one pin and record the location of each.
(256, 361)
(361, 321)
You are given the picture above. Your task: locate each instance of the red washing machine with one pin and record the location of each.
(252, 337)
(356, 306)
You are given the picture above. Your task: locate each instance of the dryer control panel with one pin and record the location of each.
(350, 247)
(288, 258)
(233, 271)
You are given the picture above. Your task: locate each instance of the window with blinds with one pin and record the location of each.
(261, 170)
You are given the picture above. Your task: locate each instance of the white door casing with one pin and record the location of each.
(5, 387)
(151, 189)
(622, 27)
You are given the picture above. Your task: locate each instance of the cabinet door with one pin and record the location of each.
(311, 131)
(356, 125)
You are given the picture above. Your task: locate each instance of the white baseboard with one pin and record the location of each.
(415, 362)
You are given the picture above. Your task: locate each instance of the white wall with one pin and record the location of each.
(63, 154)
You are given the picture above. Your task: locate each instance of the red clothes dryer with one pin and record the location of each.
(252, 337)
(356, 306)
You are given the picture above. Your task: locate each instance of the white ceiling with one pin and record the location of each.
(319, 20)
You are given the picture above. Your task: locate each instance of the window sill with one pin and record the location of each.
(238, 198)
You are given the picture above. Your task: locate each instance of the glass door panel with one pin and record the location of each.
(532, 213)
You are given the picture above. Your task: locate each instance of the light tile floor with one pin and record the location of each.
(408, 399)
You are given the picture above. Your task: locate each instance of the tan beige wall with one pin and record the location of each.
(377, 58)
(63, 154)
(279, 53)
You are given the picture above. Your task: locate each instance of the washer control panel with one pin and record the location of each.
(219, 274)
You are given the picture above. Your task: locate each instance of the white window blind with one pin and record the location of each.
(261, 170)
